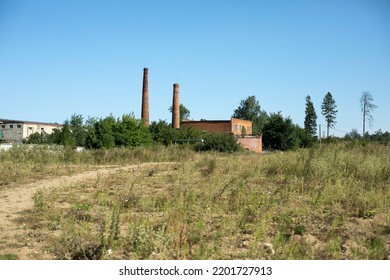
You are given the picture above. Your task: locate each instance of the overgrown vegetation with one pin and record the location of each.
(328, 202)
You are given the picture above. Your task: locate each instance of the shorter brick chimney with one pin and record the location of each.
(176, 107)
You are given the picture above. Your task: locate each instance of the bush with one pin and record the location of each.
(126, 132)
(221, 142)
(162, 132)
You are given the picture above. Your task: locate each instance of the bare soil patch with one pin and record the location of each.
(16, 238)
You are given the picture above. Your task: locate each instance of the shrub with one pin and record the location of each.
(221, 142)
(162, 132)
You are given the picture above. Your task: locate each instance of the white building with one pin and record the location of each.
(16, 131)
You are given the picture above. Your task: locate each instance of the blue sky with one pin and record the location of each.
(86, 57)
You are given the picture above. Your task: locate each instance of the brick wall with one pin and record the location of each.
(209, 126)
(252, 143)
(238, 124)
(228, 126)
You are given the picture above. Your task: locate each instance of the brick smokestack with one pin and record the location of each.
(145, 99)
(176, 107)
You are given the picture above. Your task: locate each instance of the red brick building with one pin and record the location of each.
(241, 128)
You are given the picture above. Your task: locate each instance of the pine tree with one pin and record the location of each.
(310, 117)
(329, 111)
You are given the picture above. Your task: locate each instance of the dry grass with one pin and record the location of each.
(329, 202)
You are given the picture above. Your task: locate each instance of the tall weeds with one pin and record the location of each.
(328, 202)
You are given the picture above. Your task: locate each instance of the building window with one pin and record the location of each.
(3, 126)
(19, 126)
(11, 126)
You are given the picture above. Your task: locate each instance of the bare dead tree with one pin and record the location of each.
(367, 106)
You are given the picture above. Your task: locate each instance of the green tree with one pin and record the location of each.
(184, 112)
(329, 111)
(37, 138)
(367, 106)
(101, 134)
(250, 110)
(66, 137)
(354, 134)
(78, 130)
(279, 133)
(130, 132)
(109, 132)
(310, 124)
(302, 137)
(162, 132)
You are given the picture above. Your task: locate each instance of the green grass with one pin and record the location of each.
(9, 257)
(329, 202)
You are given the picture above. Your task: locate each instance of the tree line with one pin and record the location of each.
(279, 132)
(128, 131)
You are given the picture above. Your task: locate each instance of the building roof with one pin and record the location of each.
(203, 120)
(5, 121)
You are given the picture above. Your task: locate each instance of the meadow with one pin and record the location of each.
(326, 202)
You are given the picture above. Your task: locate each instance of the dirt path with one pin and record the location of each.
(15, 201)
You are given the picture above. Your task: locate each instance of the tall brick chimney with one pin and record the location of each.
(176, 107)
(145, 99)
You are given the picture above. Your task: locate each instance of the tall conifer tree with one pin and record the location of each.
(310, 117)
(329, 111)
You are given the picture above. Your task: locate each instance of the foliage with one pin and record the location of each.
(305, 139)
(162, 132)
(101, 134)
(381, 137)
(130, 132)
(37, 138)
(367, 106)
(329, 111)
(221, 142)
(279, 133)
(184, 112)
(354, 134)
(78, 130)
(250, 110)
(66, 138)
(126, 132)
(310, 117)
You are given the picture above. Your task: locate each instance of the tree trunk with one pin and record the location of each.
(364, 118)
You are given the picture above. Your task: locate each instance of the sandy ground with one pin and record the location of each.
(14, 202)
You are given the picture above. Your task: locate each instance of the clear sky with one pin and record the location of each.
(86, 57)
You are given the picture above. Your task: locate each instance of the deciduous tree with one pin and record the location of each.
(250, 110)
(184, 112)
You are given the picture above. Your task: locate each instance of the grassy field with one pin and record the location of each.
(329, 202)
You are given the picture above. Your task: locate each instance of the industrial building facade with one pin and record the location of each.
(16, 131)
(234, 126)
(242, 129)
